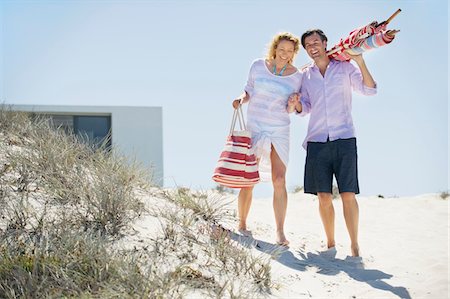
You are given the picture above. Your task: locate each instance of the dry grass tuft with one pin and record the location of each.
(65, 208)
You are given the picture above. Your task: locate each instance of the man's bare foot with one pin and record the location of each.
(281, 239)
(355, 250)
(331, 244)
(329, 253)
(283, 243)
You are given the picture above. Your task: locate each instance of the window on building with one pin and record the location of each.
(94, 129)
(64, 122)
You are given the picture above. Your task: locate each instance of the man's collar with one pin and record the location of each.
(314, 65)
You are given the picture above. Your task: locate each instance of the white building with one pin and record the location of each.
(135, 131)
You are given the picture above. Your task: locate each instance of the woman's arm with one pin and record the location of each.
(242, 99)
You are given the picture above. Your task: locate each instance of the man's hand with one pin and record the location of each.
(356, 58)
(293, 103)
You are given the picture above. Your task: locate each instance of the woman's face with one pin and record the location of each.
(285, 50)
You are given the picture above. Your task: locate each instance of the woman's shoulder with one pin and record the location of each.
(259, 61)
(258, 65)
(292, 70)
(298, 76)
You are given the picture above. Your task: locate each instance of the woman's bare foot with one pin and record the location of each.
(245, 232)
(219, 232)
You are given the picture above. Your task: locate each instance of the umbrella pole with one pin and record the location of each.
(329, 52)
(393, 16)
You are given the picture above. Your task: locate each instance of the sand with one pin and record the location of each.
(403, 241)
(404, 246)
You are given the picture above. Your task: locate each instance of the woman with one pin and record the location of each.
(271, 82)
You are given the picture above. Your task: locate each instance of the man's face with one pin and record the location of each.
(314, 46)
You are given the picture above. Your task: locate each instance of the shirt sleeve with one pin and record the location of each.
(304, 100)
(356, 80)
(249, 87)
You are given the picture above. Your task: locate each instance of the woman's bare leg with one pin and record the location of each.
(244, 203)
(279, 195)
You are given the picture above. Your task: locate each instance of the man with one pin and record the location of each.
(326, 94)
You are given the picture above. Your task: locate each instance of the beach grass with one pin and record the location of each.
(67, 225)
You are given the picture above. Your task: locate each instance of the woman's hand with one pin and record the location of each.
(243, 98)
(236, 103)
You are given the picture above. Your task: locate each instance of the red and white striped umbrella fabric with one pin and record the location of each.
(362, 39)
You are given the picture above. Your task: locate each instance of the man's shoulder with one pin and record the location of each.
(307, 67)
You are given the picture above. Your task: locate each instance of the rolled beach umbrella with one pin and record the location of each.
(362, 39)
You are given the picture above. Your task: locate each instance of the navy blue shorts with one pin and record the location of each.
(325, 159)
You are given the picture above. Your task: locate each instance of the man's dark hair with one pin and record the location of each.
(310, 32)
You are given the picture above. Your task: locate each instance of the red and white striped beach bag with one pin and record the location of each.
(237, 167)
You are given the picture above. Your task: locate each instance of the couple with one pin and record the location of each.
(323, 89)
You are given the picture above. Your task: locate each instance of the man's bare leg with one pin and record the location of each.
(351, 215)
(326, 210)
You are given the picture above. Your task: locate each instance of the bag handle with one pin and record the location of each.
(239, 115)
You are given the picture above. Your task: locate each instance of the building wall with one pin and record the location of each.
(136, 131)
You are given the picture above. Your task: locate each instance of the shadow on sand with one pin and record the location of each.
(325, 262)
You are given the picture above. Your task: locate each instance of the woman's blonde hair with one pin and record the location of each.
(276, 41)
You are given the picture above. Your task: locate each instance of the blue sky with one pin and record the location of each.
(192, 58)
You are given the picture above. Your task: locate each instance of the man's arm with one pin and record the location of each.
(367, 77)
